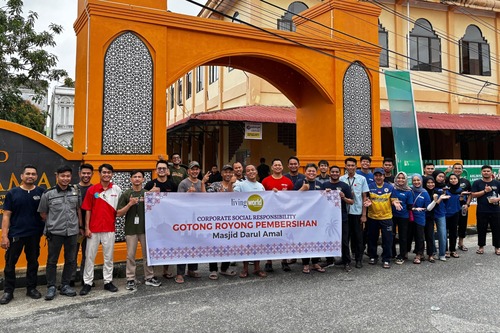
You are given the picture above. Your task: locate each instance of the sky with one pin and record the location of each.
(63, 12)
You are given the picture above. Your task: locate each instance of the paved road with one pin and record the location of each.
(460, 295)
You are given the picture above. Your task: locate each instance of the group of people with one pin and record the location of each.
(374, 203)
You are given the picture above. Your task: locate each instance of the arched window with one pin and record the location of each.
(474, 53)
(285, 22)
(357, 111)
(383, 42)
(425, 48)
(128, 97)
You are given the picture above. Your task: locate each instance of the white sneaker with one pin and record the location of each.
(442, 258)
(131, 285)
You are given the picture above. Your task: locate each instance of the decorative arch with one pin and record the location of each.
(128, 98)
(357, 111)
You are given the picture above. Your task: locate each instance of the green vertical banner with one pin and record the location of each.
(404, 121)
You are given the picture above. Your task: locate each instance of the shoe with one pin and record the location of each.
(285, 267)
(442, 258)
(327, 264)
(386, 264)
(268, 268)
(131, 285)
(400, 261)
(72, 283)
(372, 261)
(33, 293)
(51, 293)
(67, 291)
(359, 264)
(153, 282)
(110, 287)
(85, 289)
(6, 298)
(347, 268)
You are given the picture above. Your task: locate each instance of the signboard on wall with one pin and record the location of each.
(253, 131)
(16, 151)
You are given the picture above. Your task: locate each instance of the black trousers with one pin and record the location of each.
(181, 268)
(462, 225)
(402, 224)
(223, 267)
(83, 245)
(55, 244)
(451, 225)
(493, 220)
(356, 236)
(31, 245)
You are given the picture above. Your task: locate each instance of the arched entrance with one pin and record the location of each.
(118, 119)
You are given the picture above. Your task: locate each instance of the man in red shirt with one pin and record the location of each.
(277, 182)
(100, 203)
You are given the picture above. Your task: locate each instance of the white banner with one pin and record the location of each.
(235, 226)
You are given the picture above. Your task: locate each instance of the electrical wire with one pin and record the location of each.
(288, 39)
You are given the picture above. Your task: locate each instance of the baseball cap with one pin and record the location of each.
(227, 167)
(193, 164)
(379, 170)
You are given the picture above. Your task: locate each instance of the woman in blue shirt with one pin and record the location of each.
(400, 217)
(453, 209)
(421, 201)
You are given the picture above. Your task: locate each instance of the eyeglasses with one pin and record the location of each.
(161, 169)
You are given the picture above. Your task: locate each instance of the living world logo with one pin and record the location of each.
(254, 202)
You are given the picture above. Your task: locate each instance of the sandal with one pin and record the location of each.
(497, 251)
(243, 274)
(179, 279)
(306, 269)
(463, 248)
(480, 251)
(260, 274)
(168, 276)
(318, 268)
(193, 274)
(416, 261)
(228, 273)
(455, 255)
(432, 260)
(447, 255)
(213, 275)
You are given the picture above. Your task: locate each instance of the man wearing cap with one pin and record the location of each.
(226, 185)
(190, 184)
(380, 217)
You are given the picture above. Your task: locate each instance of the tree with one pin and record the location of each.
(68, 82)
(24, 62)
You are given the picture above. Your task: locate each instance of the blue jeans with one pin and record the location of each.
(441, 234)
(385, 226)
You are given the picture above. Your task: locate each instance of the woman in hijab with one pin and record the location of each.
(453, 209)
(421, 200)
(400, 217)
